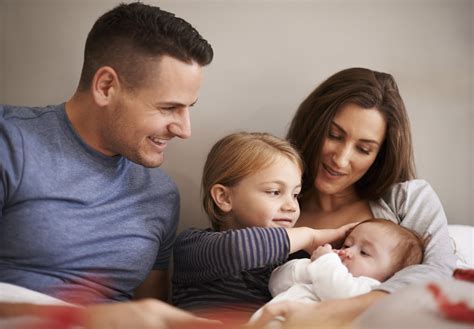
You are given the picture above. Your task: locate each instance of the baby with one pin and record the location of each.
(372, 252)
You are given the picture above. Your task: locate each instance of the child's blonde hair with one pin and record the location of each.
(234, 157)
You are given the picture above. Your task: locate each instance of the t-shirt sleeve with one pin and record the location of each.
(419, 208)
(169, 232)
(201, 255)
(11, 163)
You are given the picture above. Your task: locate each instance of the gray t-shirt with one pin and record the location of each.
(76, 224)
(415, 205)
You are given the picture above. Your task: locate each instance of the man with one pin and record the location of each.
(85, 215)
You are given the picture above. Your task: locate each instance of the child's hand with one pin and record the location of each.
(321, 237)
(321, 250)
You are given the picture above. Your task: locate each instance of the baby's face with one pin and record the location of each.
(367, 251)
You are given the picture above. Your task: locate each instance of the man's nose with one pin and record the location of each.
(181, 126)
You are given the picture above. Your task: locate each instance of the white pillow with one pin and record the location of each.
(15, 294)
(462, 237)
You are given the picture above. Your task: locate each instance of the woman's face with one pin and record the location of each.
(355, 137)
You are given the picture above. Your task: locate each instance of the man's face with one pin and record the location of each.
(140, 123)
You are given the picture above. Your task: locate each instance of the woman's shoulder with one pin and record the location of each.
(408, 191)
(403, 196)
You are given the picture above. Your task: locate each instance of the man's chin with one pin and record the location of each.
(149, 162)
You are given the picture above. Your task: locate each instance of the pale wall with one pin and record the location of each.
(268, 56)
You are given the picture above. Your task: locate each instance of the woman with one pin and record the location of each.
(354, 136)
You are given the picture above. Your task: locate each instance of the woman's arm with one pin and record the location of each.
(337, 313)
(419, 208)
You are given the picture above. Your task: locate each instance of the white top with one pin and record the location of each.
(327, 278)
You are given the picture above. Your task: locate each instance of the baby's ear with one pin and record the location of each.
(222, 197)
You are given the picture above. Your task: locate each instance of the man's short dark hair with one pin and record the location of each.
(127, 37)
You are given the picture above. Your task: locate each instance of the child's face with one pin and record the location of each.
(267, 198)
(367, 251)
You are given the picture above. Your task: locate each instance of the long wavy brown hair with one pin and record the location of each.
(367, 89)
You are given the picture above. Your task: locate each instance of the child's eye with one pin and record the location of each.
(295, 196)
(273, 192)
(363, 253)
(345, 246)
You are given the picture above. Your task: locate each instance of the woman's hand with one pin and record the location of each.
(337, 313)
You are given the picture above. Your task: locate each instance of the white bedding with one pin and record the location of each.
(462, 237)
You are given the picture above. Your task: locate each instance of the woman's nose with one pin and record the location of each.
(341, 156)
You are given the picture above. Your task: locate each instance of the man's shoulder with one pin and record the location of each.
(19, 113)
(158, 178)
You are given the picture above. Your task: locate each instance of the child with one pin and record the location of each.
(373, 251)
(250, 186)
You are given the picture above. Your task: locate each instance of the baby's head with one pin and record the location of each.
(251, 179)
(378, 248)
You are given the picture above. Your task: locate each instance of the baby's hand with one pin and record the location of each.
(321, 250)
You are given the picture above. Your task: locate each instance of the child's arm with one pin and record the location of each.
(308, 239)
(201, 255)
(210, 255)
(331, 279)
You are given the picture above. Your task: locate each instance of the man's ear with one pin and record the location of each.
(222, 197)
(105, 85)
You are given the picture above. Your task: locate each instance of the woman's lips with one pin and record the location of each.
(332, 172)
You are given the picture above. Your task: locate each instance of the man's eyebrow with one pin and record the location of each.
(171, 103)
(362, 140)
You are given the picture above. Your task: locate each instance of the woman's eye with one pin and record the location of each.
(334, 136)
(364, 150)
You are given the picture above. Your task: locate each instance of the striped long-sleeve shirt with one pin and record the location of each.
(226, 270)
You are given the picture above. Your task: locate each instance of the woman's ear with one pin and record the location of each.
(222, 197)
(105, 85)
